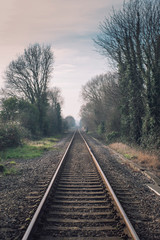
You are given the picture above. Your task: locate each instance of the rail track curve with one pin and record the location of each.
(79, 202)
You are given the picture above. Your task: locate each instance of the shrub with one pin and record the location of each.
(112, 136)
(2, 168)
(9, 136)
(101, 128)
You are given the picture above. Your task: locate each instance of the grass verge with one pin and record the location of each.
(8, 169)
(140, 156)
(30, 149)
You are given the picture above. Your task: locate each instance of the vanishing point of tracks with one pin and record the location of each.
(79, 202)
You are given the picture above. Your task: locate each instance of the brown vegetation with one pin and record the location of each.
(144, 158)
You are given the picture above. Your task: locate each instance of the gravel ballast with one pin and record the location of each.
(144, 211)
(21, 193)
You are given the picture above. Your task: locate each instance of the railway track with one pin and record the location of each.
(79, 202)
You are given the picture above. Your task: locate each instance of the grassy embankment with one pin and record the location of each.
(144, 158)
(28, 150)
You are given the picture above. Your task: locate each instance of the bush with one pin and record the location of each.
(112, 137)
(2, 168)
(10, 136)
(101, 128)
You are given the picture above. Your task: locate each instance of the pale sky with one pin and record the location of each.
(69, 27)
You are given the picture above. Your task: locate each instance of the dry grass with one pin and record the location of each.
(140, 156)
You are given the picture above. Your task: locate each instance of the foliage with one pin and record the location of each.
(10, 171)
(53, 120)
(2, 168)
(101, 109)
(101, 128)
(29, 109)
(112, 137)
(10, 136)
(130, 37)
(70, 121)
(7, 169)
(28, 77)
(9, 109)
(28, 116)
(128, 156)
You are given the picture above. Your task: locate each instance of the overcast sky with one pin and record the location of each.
(69, 26)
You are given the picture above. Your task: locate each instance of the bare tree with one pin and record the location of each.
(101, 96)
(28, 77)
(54, 96)
(88, 117)
(30, 73)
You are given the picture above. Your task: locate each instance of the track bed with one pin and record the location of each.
(79, 206)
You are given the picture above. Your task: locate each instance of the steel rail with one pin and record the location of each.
(39, 209)
(119, 206)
